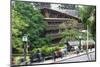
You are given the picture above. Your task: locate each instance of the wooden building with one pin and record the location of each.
(54, 19)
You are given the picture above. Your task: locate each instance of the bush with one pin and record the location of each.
(56, 48)
(61, 45)
(47, 50)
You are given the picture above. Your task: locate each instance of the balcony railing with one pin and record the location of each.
(56, 19)
(54, 27)
(54, 36)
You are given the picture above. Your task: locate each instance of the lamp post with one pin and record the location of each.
(80, 37)
(25, 39)
(86, 31)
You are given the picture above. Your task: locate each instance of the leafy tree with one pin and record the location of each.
(73, 34)
(70, 33)
(87, 15)
(27, 20)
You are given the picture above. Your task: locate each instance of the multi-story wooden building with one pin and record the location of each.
(58, 20)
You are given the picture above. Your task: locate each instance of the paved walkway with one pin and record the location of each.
(58, 60)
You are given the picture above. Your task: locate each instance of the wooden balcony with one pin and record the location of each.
(56, 19)
(53, 27)
(54, 36)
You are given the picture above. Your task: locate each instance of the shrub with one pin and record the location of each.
(47, 50)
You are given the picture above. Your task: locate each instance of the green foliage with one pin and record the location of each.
(47, 51)
(70, 34)
(88, 17)
(85, 13)
(73, 34)
(27, 20)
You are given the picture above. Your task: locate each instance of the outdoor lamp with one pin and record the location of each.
(25, 39)
(80, 37)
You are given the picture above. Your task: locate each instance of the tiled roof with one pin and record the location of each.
(66, 13)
